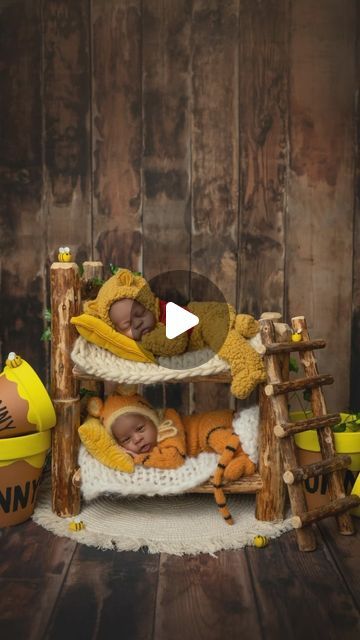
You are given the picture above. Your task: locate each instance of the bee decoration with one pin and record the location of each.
(13, 360)
(260, 541)
(64, 254)
(76, 525)
(296, 336)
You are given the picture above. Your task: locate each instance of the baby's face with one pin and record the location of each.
(130, 318)
(134, 432)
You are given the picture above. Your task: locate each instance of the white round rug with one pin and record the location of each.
(185, 524)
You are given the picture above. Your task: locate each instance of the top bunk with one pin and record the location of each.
(70, 289)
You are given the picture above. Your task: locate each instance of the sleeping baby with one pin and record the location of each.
(129, 431)
(126, 303)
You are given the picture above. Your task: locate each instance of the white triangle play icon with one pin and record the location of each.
(178, 320)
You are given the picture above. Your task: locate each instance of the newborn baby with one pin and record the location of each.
(126, 303)
(164, 439)
(131, 318)
(135, 433)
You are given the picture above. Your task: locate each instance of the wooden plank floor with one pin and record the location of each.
(54, 588)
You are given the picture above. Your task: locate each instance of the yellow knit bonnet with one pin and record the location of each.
(115, 406)
(124, 284)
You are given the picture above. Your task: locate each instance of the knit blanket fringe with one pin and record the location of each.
(188, 524)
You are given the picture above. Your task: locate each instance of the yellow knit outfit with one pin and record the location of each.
(219, 328)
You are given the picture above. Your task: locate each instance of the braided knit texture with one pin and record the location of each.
(101, 363)
(98, 479)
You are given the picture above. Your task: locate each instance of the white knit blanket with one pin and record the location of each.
(97, 479)
(101, 363)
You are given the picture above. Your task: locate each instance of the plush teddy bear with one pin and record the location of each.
(219, 327)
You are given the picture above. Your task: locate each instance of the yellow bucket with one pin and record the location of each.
(356, 492)
(25, 406)
(316, 489)
(21, 463)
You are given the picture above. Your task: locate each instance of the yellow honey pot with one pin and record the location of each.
(25, 406)
(308, 449)
(21, 462)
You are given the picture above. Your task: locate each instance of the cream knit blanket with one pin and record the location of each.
(99, 362)
(97, 479)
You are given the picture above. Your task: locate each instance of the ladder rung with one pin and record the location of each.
(316, 469)
(290, 428)
(331, 509)
(277, 388)
(288, 347)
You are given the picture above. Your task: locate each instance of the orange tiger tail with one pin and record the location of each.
(225, 458)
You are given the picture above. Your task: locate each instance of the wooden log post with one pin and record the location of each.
(325, 511)
(90, 282)
(65, 303)
(272, 449)
(290, 428)
(270, 500)
(296, 385)
(317, 468)
(325, 435)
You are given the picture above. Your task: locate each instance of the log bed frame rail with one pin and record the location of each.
(277, 469)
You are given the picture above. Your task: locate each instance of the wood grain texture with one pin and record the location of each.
(214, 161)
(66, 79)
(106, 595)
(65, 303)
(325, 436)
(355, 327)
(319, 240)
(21, 215)
(270, 501)
(34, 564)
(66, 497)
(166, 161)
(205, 597)
(285, 575)
(263, 121)
(166, 154)
(252, 593)
(117, 131)
(344, 554)
(270, 447)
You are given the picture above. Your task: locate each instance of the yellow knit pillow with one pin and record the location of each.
(98, 332)
(103, 447)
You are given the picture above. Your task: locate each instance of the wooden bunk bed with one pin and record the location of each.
(278, 471)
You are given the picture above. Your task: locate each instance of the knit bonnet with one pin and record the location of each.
(124, 284)
(116, 405)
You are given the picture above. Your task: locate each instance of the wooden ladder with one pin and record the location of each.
(276, 388)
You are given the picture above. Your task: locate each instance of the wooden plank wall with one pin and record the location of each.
(217, 136)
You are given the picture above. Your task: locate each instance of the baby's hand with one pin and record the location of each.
(131, 453)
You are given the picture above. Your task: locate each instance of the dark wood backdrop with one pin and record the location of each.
(219, 136)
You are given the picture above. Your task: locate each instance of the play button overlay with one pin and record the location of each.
(178, 320)
(188, 302)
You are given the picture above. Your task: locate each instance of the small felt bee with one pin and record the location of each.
(13, 360)
(260, 541)
(64, 254)
(76, 525)
(296, 336)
